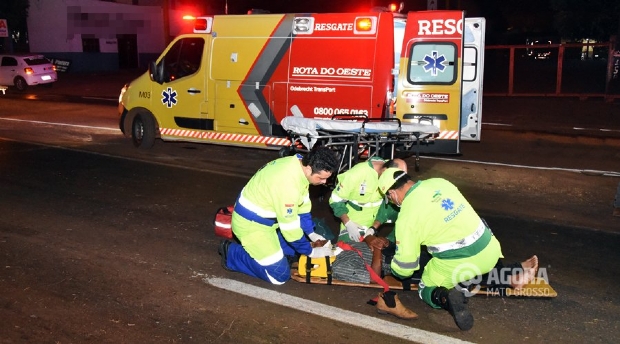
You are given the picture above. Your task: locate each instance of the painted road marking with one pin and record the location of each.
(584, 171)
(356, 319)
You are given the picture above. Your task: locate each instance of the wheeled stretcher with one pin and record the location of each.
(354, 136)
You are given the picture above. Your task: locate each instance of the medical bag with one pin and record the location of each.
(222, 222)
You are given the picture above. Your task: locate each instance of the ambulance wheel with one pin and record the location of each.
(143, 131)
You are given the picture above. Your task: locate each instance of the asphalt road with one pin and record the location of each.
(108, 249)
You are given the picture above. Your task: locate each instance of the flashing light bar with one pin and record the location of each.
(365, 25)
(203, 24)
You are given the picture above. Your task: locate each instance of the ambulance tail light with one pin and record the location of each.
(365, 26)
(203, 25)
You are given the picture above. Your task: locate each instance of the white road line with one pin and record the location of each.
(498, 124)
(101, 98)
(584, 171)
(575, 170)
(326, 311)
(58, 124)
(596, 129)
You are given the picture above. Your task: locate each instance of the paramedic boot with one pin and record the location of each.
(223, 251)
(454, 301)
(388, 303)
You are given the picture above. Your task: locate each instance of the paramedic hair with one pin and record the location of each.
(321, 159)
(401, 178)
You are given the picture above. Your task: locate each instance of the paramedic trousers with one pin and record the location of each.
(449, 272)
(261, 253)
(240, 260)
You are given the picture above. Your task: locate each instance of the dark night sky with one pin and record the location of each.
(504, 13)
(502, 16)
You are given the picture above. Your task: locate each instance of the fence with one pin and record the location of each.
(556, 70)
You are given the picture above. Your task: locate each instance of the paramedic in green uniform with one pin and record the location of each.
(357, 200)
(271, 217)
(434, 213)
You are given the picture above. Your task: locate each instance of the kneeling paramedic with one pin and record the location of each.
(272, 214)
(435, 214)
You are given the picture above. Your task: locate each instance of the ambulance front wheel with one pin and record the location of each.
(143, 131)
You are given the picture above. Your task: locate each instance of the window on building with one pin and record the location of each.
(90, 45)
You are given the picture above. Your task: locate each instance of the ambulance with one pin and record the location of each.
(235, 78)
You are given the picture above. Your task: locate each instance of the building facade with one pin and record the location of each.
(91, 35)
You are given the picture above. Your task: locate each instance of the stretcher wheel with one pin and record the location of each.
(286, 151)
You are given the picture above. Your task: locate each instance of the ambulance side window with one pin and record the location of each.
(183, 58)
(432, 63)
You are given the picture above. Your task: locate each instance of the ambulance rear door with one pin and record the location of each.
(430, 80)
(473, 67)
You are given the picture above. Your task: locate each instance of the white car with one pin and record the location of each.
(23, 70)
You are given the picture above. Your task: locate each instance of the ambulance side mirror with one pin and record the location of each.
(156, 71)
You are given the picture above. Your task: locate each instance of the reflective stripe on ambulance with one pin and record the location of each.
(182, 133)
(448, 135)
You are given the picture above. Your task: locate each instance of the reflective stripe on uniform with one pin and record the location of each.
(368, 204)
(249, 214)
(467, 241)
(246, 203)
(288, 226)
(336, 198)
(406, 265)
(272, 259)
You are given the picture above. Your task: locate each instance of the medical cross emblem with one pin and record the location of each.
(447, 204)
(169, 97)
(434, 63)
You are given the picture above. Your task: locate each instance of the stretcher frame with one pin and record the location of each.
(365, 142)
(537, 288)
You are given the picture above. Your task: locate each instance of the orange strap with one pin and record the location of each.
(373, 274)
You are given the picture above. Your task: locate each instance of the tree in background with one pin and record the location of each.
(16, 14)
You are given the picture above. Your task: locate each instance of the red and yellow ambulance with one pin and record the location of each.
(236, 77)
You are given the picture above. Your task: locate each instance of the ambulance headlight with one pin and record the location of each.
(123, 90)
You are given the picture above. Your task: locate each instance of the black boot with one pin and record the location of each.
(222, 249)
(454, 302)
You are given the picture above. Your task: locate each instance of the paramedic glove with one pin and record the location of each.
(314, 237)
(354, 230)
(370, 231)
(320, 252)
